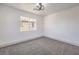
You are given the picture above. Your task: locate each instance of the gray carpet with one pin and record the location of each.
(40, 46)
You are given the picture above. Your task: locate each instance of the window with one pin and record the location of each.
(27, 24)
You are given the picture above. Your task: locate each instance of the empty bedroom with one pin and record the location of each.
(39, 28)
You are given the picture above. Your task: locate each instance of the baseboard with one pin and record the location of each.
(65, 41)
(17, 42)
(24, 40)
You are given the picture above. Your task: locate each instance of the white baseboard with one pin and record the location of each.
(5, 44)
(66, 41)
(19, 41)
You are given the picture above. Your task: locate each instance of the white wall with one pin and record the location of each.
(10, 26)
(63, 26)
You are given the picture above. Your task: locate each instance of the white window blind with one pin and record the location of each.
(27, 24)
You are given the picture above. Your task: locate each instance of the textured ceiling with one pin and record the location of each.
(49, 7)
